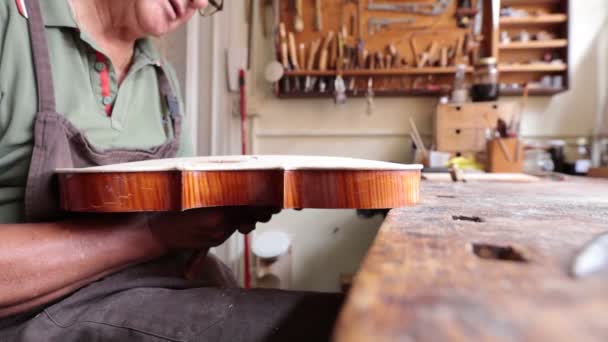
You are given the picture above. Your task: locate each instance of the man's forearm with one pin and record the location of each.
(42, 262)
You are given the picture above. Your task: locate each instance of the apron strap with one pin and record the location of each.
(171, 101)
(42, 61)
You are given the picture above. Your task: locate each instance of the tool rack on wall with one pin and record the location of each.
(364, 49)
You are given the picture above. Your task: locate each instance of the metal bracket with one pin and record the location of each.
(435, 9)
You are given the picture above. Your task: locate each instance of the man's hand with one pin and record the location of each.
(206, 227)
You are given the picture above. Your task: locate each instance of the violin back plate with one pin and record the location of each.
(282, 181)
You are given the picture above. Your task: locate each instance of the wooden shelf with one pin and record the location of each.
(350, 94)
(536, 44)
(532, 20)
(506, 3)
(532, 92)
(539, 67)
(377, 72)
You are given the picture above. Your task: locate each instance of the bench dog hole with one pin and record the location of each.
(467, 218)
(504, 253)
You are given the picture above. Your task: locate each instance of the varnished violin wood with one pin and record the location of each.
(232, 188)
(302, 184)
(351, 189)
(120, 192)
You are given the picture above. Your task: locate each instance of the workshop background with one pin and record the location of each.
(328, 244)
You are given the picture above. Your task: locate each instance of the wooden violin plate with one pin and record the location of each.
(281, 181)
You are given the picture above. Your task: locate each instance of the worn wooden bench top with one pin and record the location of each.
(483, 261)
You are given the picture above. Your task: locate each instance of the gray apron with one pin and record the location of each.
(151, 301)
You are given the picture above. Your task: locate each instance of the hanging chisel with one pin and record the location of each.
(318, 17)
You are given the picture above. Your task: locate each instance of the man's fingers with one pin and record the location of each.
(246, 228)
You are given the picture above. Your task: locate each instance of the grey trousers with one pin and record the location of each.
(149, 303)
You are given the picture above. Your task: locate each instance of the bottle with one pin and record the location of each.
(459, 92)
(582, 164)
(485, 81)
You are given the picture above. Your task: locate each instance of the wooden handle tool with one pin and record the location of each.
(292, 52)
(380, 58)
(283, 39)
(324, 51)
(312, 53)
(298, 21)
(433, 53)
(302, 55)
(444, 57)
(318, 16)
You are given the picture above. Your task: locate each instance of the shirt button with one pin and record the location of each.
(100, 66)
(107, 100)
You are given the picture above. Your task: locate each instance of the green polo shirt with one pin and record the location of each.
(85, 85)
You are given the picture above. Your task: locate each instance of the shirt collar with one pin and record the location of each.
(57, 13)
(146, 47)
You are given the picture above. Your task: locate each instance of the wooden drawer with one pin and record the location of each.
(462, 128)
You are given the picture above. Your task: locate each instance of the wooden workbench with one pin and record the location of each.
(423, 281)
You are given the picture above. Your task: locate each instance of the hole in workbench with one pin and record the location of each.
(495, 106)
(458, 131)
(504, 253)
(458, 108)
(467, 218)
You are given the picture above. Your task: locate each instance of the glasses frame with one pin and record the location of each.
(217, 5)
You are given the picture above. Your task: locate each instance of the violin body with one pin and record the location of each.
(279, 181)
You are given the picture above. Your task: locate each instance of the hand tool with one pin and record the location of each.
(351, 84)
(309, 82)
(298, 21)
(380, 60)
(593, 258)
(341, 52)
(415, 51)
(444, 57)
(369, 96)
(312, 53)
(332, 54)
(302, 56)
(318, 17)
(322, 85)
(435, 9)
(395, 57)
(324, 51)
(433, 53)
(360, 18)
(339, 90)
(424, 57)
(292, 52)
(284, 56)
(375, 24)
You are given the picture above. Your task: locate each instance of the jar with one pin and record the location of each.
(485, 81)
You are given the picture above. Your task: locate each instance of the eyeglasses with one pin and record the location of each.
(213, 7)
